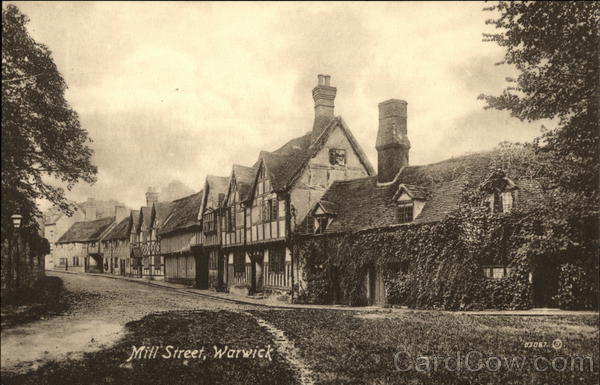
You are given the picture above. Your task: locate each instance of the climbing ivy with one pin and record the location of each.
(439, 265)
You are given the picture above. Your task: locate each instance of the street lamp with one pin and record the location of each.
(16, 220)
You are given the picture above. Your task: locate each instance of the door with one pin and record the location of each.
(257, 258)
(201, 270)
(545, 284)
(220, 272)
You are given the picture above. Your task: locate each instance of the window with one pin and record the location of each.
(507, 201)
(239, 262)
(213, 260)
(230, 216)
(266, 210)
(405, 212)
(337, 157)
(210, 223)
(274, 209)
(497, 272)
(277, 260)
(321, 224)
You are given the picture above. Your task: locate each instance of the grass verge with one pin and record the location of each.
(182, 329)
(48, 298)
(344, 347)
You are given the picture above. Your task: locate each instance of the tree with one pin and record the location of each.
(41, 134)
(555, 48)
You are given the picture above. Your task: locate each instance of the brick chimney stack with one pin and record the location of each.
(392, 140)
(151, 196)
(323, 95)
(120, 213)
(90, 210)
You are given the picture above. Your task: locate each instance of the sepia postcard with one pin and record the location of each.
(303, 193)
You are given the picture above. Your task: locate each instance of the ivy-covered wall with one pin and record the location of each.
(439, 265)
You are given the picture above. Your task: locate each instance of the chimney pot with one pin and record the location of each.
(324, 96)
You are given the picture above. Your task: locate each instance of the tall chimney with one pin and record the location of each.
(90, 210)
(323, 95)
(392, 140)
(151, 196)
(120, 213)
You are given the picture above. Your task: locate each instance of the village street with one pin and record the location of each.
(102, 307)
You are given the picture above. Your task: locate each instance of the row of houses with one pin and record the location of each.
(236, 234)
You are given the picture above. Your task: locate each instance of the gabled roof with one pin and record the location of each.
(285, 165)
(183, 215)
(86, 231)
(415, 192)
(160, 212)
(215, 188)
(244, 178)
(119, 231)
(328, 207)
(364, 203)
(144, 221)
(135, 219)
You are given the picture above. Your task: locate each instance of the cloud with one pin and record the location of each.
(181, 90)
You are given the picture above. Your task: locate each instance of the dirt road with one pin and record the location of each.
(103, 306)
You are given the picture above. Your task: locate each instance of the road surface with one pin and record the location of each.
(102, 308)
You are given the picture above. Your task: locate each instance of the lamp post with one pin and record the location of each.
(16, 222)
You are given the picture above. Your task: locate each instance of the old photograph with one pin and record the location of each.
(302, 193)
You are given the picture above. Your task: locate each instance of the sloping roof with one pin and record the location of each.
(183, 215)
(285, 164)
(215, 188)
(415, 192)
(120, 231)
(329, 207)
(244, 178)
(86, 231)
(145, 218)
(135, 218)
(160, 212)
(363, 203)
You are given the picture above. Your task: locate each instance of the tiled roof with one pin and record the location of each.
(135, 218)
(183, 215)
(86, 231)
(285, 164)
(363, 203)
(329, 207)
(244, 177)
(120, 231)
(415, 192)
(146, 216)
(282, 168)
(161, 212)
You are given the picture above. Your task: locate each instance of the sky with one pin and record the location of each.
(175, 91)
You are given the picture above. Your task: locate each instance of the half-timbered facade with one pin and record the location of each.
(117, 248)
(135, 251)
(233, 227)
(180, 240)
(286, 184)
(79, 248)
(211, 266)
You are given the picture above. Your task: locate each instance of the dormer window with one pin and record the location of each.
(502, 193)
(405, 212)
(321, 224)
(411, 200)
(324, 214)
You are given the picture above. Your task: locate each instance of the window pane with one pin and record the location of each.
(498, 272)
(405, 213)
(507, 202)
